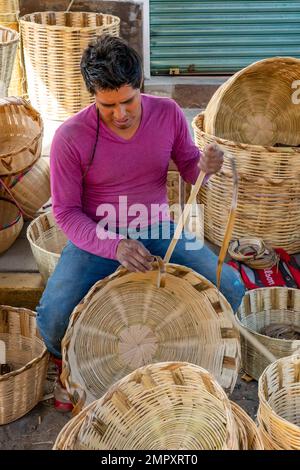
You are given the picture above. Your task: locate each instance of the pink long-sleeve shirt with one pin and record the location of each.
(135, 169)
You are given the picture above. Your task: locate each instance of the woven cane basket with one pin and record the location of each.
(22, 388)
(20, 137)
(255, 106)
(9, 6)
(31, 188)
(279, 403)
(249, 436)
(161, 406)
(47, 242)
(9, 40)
(11, 223)
(132, 319)
(268, 198)
(53, 44)
(274, 309)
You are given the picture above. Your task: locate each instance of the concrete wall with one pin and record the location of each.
(130, 13)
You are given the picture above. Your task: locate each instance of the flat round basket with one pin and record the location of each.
(161, 406)
(31, 188)
(256, 105)
(47, 242)
(264, 199)
(21, 135)
(9, 40)
(248, 434)
(128, 320)
(22, 388)
(279, 403)
(53, 44)
(270, 314)
(11, 223)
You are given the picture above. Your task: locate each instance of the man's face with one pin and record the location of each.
(119, 108)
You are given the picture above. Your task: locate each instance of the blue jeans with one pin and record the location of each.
(77, 271)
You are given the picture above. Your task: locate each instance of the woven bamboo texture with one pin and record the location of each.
(261, 308)
(161, 406)
(21, 135)
(128, 320)
(47, 242)
(11, 223)
(279, 403)
(249, 436)
(253, 252)
(53, 44)
(31, 189)
(268, 206)
(255, 105)
(9, 40)
(9, 6)
(22, 388)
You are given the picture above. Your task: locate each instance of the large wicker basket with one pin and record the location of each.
(47, 242)
(9, 6)
(31, 189)
(11, 223)
(22, 388)
(9, 40)
(271, 307)
(20, 137)
(132, 319)
(268, 197)
(255, 106)
(161, 406)
(53, 45)
(279, 404)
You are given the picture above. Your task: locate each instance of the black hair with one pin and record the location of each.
(109, 63)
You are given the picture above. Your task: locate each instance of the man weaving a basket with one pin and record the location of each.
(109, 167)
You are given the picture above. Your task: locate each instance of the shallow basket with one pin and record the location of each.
(31, 189)
(11, 223)
(53, 44)
(268, 201)
(9, 40)
(22, 388)
(47, 242)
(161, 406)
(257, 105)
(259, 309)
(21, 135)
(132, 319)
(279, 403)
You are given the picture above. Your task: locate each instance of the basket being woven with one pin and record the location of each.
(9, 40)
(132, 319)
(53, 45)
(11, 223)
(22, 388)
(255, 106)
(21, 135)
(47, 242)
(160, 406)
(261, 308)
(279, 404)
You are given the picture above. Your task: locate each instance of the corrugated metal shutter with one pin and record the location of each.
(201, 37)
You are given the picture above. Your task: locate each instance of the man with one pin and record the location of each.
(107, 160)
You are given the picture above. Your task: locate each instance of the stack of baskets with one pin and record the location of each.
(53, 43)
(22, 388)
(9, 40)
(162, 406)
(254, 118)
(9, 18)
(279, 404)
(24, 180)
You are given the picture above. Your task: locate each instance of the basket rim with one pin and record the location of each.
(248, 293)
(33, 361)
(271, 150)
(13, 100)
(11, 41)
(23, 20)
(29, 238)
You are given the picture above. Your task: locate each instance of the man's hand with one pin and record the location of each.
(134, 256)
(212, 159)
